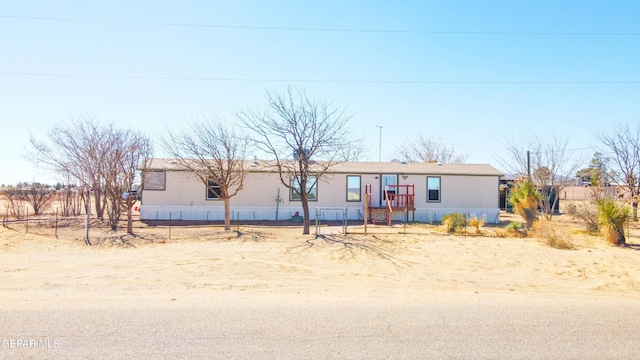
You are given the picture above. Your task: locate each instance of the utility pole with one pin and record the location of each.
(380, 144)
(529, 164)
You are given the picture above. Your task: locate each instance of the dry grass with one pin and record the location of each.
(555, 236)
(477, 223)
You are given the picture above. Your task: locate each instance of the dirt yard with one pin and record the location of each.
(169, 262)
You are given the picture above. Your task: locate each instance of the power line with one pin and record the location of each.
(333, 81)
(321, 29)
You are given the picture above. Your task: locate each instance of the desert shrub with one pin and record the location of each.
(611, 217)
(589, 216)
(477, 223)
(517, 229)
(571, 209)
(555, 236)
(525, 199)
(454, 222)
(515, 225)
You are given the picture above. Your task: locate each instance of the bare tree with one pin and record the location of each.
(550, 162)
(77, 149)
(71, 197)
(307, 138)
(14, 205)
(623, 143)
(39, 196)
(129, 150)
(214, 153)
(428, 150)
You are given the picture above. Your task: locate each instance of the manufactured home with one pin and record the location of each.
(412, 191)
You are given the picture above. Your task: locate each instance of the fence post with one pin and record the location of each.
(56, 228)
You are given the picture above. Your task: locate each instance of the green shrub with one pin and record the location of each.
(515, 225)
(516, 229)
(612, 216)
(454, 222)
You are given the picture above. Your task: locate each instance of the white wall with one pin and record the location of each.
(184, 198)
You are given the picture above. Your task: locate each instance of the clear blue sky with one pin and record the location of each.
(468, 72)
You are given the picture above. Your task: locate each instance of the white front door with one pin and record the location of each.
(387, 179)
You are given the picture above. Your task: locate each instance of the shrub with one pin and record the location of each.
(516, 229)
(477, 223)
(571, 209)
(555, 236)
(525, 199)
(515, 225)
(612, 217)
(454, 222)
(589, 215)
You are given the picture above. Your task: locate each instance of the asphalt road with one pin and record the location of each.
(297, 329)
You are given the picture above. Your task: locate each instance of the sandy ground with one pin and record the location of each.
(206, 266)
(264, 261)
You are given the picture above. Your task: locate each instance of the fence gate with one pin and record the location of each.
(335, 210)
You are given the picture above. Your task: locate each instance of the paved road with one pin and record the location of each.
(292, 329)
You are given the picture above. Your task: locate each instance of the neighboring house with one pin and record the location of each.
(439, 189)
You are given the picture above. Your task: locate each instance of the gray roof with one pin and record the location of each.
(414, 168)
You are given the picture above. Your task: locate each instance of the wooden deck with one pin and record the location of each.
(398, 198)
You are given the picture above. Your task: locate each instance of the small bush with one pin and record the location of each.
(571, 209)
(612, 217)
(589, 215)
(515, 225)
(555, 236)
(454, 222)
(516, 229)
(477, 223)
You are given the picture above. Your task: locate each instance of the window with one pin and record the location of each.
(213, 190)
(433, 189)
(353, 188)
(154, 180)
(312, 189)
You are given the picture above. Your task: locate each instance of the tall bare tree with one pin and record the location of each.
(430, 149)
(306, 137)
(77, 149)
(549, 163)
(129, 151)
(623, 144)
(212, 152)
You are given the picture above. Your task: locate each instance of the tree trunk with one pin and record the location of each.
(98, 199)
(305, 211)
(227, 215)
(634, 208)
(130, 217)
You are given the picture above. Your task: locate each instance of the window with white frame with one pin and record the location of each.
(154, 180)
(354, 189)
(312, 189)
(433, 188)
(213, 190)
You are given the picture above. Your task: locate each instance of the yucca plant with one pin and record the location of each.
(612, 216)
(524, 197)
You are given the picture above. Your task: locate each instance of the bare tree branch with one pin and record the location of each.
(428, 150)
(623, 143)
(551, 164)
(212, 152)
(307, 137)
